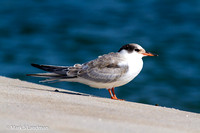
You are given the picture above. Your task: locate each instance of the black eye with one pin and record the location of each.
(137, 50)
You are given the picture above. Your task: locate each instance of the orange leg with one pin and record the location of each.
(112, 94)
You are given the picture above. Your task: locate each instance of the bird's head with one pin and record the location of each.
(135, 49)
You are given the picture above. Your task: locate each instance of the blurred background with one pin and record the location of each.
(66, 32)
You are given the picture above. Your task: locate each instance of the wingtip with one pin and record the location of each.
(34, 65)
(29, 74)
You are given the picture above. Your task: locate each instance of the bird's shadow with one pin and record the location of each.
(56, 91)
(71, 93)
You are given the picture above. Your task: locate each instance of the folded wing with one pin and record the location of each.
(105, 69)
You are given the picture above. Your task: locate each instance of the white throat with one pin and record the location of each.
(134, 62)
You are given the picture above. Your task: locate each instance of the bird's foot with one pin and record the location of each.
(115, 98)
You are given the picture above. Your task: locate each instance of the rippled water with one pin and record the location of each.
(67, 32)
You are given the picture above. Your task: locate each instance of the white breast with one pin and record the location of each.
(135, 64)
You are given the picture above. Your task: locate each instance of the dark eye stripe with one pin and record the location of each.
(137, 50)
(127, 47)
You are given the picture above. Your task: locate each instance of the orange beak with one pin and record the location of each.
(149, 54)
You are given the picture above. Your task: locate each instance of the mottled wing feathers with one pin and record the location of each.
(104, 69)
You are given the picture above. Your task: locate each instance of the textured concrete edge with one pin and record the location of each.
(128, 116)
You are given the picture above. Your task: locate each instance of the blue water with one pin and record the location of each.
(65, 32)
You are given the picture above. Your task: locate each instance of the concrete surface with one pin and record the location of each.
(29, 107)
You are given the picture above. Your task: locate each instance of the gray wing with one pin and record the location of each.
(104, 69)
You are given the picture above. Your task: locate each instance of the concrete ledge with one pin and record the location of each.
(31, 107)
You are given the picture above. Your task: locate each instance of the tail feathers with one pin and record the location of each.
(51, 77)
(50, 68)
(45, 75)
(56, 73)
(51, 80)
(69, 71)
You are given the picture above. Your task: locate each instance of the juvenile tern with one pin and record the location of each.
(107, 71)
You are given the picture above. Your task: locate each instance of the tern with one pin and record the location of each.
(107, 71)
